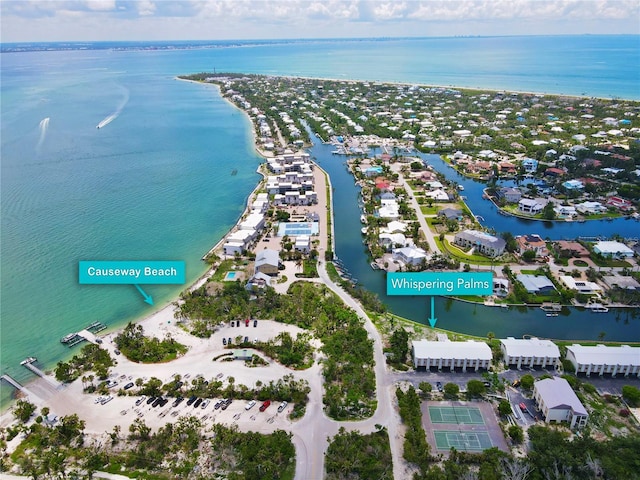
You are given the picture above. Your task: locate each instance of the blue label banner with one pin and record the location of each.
(94, 272)
(440, 283)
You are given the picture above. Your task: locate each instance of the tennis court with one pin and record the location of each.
(458, 414)
(462, 441)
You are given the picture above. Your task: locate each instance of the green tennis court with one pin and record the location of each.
(456, 415)
(462, 441)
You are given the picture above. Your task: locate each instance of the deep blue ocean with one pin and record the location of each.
(154, 182)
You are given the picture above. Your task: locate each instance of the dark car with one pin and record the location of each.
(217, 405)
(197, 403)
(233, 324)
(229, 342)
(177, 401)
(192, 399)
(116, 351)
(224, 341)
(128, 386)
(439, 386)
(163, 401)
(151, 400)
(255, 323)
(246, 339)
(157, 402)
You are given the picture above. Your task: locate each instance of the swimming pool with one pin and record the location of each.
(294, 229)
(230, 276)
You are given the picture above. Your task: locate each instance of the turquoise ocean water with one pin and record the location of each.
(154, 182)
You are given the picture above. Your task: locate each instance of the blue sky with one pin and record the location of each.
(62, 20)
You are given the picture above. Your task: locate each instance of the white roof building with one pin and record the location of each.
(602, 359)
(580, 286)
(613, 249)
(394, 227)
(529, 352)
(409, 255)
(469, 354)
(559, 403)
(254, 221)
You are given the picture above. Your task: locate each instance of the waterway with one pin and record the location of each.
(475, 319)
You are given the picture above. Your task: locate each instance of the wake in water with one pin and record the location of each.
(44, 126)
(107, 120)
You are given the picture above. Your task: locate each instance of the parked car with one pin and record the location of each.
(229, 342)
(140, 400)
(246, 322)
(218, 404)
(157, 402)
(197, 403)
(116, 351)
(233, 324)
(282, 406)
(255, 323)
(523, 407)
(246, 339)
(439, 386)
(250, 405)
(192, 399)
(265, 405)
(177, 402)
(204, 404)
(106, 400)
(128, 386)
(224, 341)
(151, 400)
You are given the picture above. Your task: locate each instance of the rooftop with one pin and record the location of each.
(470, 349)
(604, 355)
(557, 393)
(532, 347)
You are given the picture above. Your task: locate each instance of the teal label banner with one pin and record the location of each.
(131, 273)
(440, 283)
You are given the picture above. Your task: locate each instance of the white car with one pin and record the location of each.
(282, 406)
(250, 405)
(204, 404)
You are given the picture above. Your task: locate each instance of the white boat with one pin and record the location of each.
(68, 338)
(363, 230)
(363, 219)
(461, 187)
(597, 308)
(29, 360)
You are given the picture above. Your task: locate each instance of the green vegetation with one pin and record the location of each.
(352, 455)
(23, 410)
(293, 353)
(91, 358)
(398, 348)
(415, 446)
(138, 348)
(632, 395)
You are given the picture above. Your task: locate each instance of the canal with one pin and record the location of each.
(474, 319)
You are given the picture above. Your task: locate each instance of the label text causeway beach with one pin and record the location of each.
(131, 272)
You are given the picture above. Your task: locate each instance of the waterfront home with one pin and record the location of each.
(238, 241)
(530, 352)
(509, 194)
(559, 403)
(554, 172)
(500, 286)
(253, 221)
(394, 227)
(590, 208)
(536, 283)
(444, 353)
(621, 281)
(580, 286)
(530, 206)
(450, 213)
(602, 359)
(532, 242)
(389, 240)
(619, 203)
(438, 195)
(530, 165)
(267, 262)
(413, 256)
(613, 249)
(373, 171)
(565, 211)
(389, 209)
(482, 242)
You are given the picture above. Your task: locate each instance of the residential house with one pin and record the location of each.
(409, 255)
(532, 242)
(530, 165)
(590, 208)
(484, 243)
(509, 194)
(559, 403)
(571, 249)
(580, 286)
(267, 262)
(450, 213)
(536, 283)
(530, 206)
(613, 249)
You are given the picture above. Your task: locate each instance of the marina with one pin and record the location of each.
(75, 338)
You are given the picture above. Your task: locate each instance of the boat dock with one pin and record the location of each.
(88, 333)
(11, 381)
(29, 364)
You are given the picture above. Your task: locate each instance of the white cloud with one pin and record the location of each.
(245, 19)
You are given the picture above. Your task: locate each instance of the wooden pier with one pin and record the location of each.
(11, 381)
